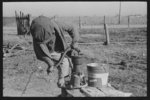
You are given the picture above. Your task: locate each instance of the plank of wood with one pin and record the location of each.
(92, 92)
(111, 92)
(75, 93)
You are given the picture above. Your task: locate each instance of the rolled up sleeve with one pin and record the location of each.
(72, 31)
(75, 34)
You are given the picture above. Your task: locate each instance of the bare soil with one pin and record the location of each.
(127, 63)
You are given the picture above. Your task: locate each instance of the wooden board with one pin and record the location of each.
(74, 93)
(111, 92)
(105, 91)
(92, 92)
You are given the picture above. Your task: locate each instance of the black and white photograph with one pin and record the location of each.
(74, 49)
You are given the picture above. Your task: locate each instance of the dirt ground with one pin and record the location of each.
(127, 63)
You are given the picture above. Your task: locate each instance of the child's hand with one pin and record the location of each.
(61, 82)
(50, 70)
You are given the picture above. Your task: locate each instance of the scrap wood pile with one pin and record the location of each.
(9, 52)
(10, 49)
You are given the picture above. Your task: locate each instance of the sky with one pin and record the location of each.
(75, 8)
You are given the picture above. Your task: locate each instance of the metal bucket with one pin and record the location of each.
(96, 76)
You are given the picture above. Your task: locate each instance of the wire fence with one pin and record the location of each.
(110, 20)
(91, 20)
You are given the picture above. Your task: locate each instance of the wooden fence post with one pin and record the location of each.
(120, 13)
(79, 22)
(104, 20)
(17, 22)
(107, 42)
(128, 21)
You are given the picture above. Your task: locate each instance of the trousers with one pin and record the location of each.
(64, 68)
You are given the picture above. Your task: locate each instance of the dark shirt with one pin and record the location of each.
(51, 33)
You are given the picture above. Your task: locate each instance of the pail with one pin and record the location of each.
(97, 75)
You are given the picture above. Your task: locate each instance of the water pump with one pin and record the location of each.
(77, 78)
